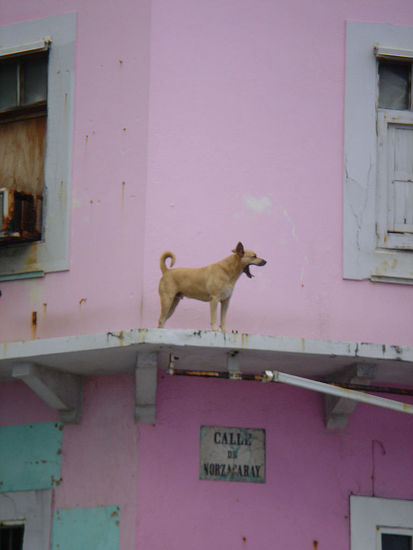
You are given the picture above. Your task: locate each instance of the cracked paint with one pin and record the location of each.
(292, 225)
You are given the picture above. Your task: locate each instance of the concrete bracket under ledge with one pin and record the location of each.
(338, 409)
(146, 374)
(58, 390)
(233, 365)
(51, 365)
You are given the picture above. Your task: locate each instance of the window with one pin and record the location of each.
(378, 183)
(381, 524)
(24, 85)
(25, 520)
(394, 85)
(11, 535)
(36, 120)
(23, 116)
(395, 539)
(394, 150)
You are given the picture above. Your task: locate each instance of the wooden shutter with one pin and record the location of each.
(395, 179)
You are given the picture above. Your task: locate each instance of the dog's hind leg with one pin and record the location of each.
(175, 302)
(166, 304)
(167, 308)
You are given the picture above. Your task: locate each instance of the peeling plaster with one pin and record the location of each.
(256, 204)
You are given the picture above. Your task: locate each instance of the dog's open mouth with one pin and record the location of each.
(247, 268)
(247, 272)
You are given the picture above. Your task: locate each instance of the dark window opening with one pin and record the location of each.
(396, 542)
(23, 86)
(394, 85)
(11, 537)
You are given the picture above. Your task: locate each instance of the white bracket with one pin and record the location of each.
(338, 409)
(61, 391)
(233, 365)
(146, 380)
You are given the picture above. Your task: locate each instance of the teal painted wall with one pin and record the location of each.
(91, 528)
(30, 456)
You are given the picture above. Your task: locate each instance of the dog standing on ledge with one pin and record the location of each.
(213, 283)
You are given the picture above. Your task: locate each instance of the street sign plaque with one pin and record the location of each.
(232, 454)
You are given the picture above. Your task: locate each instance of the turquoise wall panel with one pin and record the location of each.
(91, 528)
(30, 456)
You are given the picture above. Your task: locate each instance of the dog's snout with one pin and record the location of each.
(262, 262)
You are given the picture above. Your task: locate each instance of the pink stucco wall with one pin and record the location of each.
(310, 472)
(100, 456)
(246, 142)
(103, 288)
(224, 120)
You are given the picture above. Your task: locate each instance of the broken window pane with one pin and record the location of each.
(23, 117)
(8, 85)
(22, 152)
(394, 85)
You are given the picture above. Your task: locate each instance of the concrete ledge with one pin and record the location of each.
(116, 352)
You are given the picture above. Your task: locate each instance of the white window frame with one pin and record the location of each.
(52, 252)
(364, 255)
(371, 516)
(34, 510)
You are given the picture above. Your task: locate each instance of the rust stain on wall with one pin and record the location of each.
(123, 193)
(55, 482)
(34, 324)
(119, 335)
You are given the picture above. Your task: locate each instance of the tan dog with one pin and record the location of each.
(213, 283)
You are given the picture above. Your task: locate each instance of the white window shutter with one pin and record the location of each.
(395, 180)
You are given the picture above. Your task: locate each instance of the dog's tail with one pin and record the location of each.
(164, 257)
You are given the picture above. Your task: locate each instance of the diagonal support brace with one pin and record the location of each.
(60, 391)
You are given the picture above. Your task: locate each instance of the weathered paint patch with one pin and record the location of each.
(257, 204)
(91, 528)
(30, 457)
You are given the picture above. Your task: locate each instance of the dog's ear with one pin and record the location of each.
(239, 249)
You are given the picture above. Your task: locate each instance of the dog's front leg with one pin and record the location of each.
(213, 305)
(224, 309)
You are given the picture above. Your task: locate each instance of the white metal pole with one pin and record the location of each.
(277, 376)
